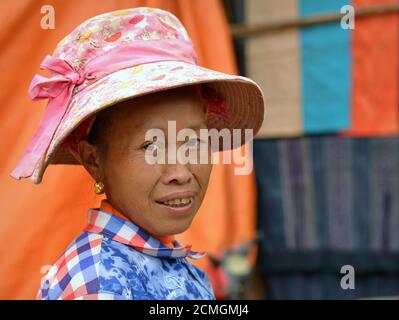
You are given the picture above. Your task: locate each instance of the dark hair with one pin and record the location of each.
(100, 129)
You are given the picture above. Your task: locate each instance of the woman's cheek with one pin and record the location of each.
(203, 172)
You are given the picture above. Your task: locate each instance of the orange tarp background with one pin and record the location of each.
(39, 221)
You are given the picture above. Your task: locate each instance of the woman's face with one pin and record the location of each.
(160, 198)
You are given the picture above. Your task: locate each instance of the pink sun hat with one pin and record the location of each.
(118, 56)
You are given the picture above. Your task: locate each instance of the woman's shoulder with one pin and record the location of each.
(77, 272)
(74, 273)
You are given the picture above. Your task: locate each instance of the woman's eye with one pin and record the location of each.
(193, 142)
(150, 146)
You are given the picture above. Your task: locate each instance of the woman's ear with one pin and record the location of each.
(90, 158)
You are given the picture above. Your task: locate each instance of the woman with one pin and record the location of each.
(116, 78)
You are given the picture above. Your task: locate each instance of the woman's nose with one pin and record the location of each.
(176, 173)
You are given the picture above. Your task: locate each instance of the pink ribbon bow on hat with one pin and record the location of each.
(58, 89)
(60, 85)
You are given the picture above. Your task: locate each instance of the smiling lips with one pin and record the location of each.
(177, 200)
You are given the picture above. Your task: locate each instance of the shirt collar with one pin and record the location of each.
(107, 207)
(115, 226)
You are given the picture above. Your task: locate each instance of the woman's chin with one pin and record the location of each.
(174, 229)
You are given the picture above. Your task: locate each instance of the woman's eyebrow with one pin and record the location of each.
(165, 129)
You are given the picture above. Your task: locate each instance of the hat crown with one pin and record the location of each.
(108, 31)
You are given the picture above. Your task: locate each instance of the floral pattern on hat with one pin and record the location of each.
(100, 34)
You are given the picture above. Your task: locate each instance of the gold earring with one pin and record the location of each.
(99, 187)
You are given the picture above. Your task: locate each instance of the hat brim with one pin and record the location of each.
(244, 100)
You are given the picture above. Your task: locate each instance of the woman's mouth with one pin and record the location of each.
(181, 202)
(177, 203)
